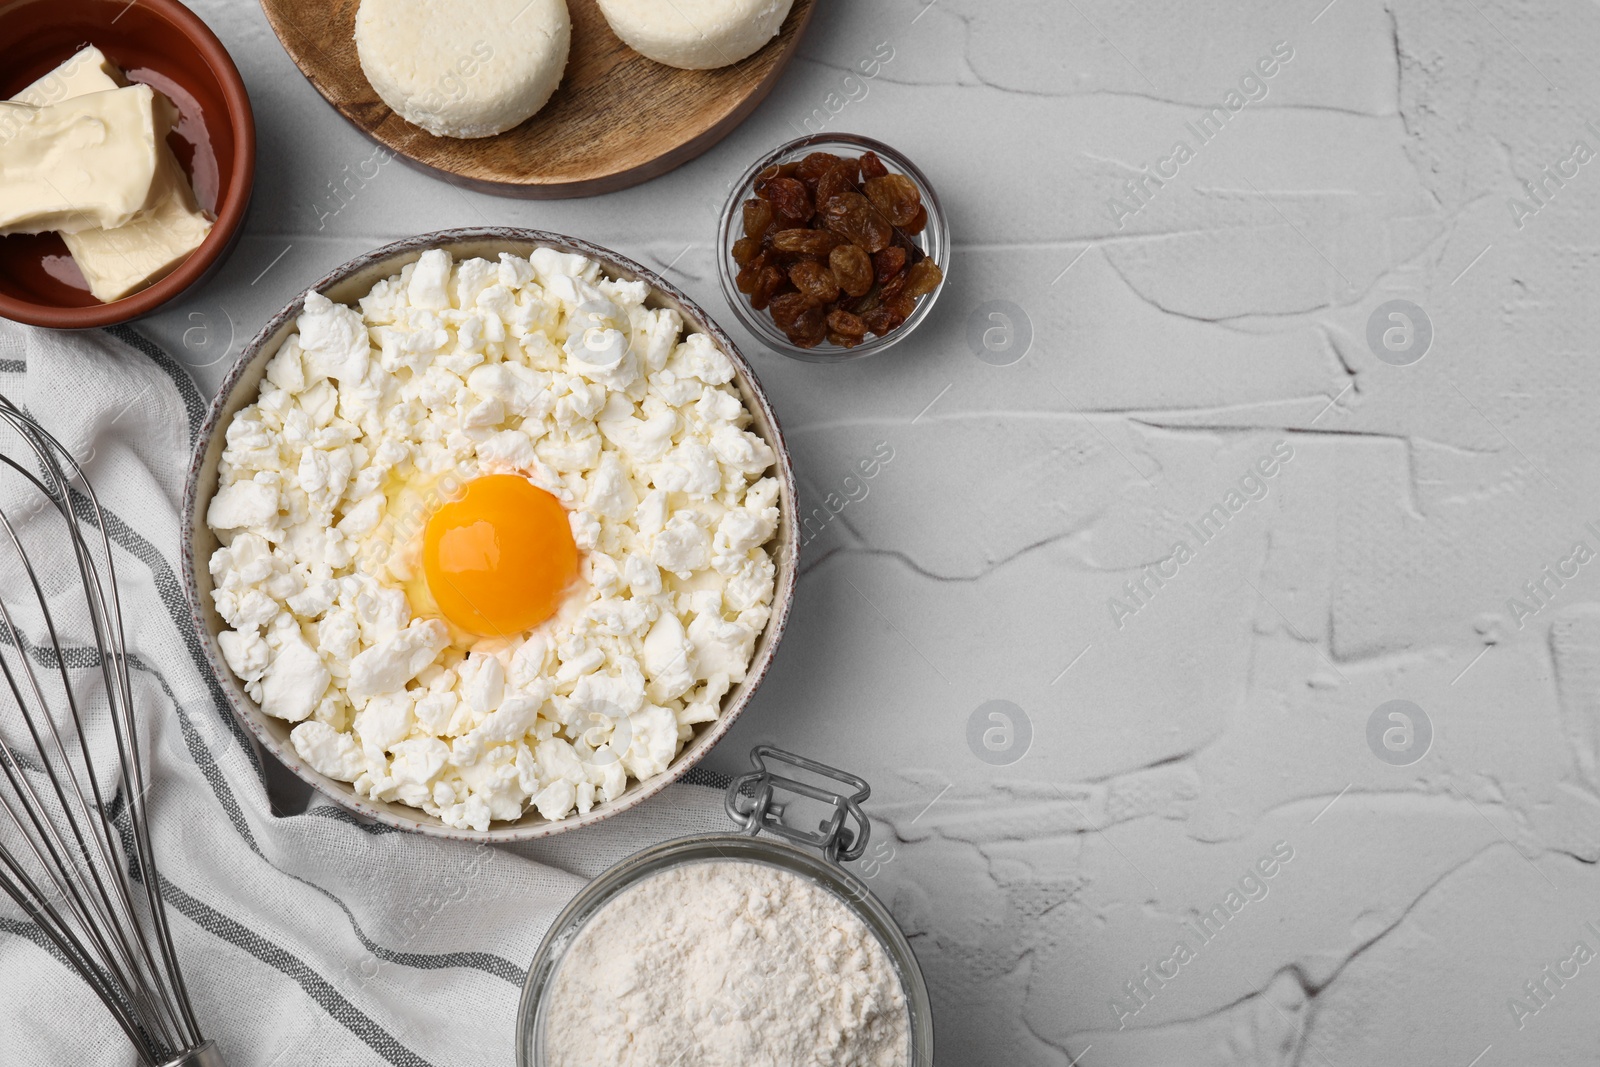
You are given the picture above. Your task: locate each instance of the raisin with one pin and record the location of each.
(896, 196)
(809, 329)
(845, 324)
(815, 282)
(764, 181)
(923, 278)
(919, 221)
(767, 284)
(791, 203)
(879, 320)
(852, 216)
(757, 218)
(843, 178)
(892, 289)
(872, 166)
(746, 249)
(786, 309)
(828, 188)
(816, 165)
(852, 268)
(889, 262)
(834, 208)
(900, 307)
(808, 242)
(746, 280)
(873, 233)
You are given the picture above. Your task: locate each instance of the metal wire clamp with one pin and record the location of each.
(841, 837)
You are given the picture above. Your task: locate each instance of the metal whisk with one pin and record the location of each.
(74, 845)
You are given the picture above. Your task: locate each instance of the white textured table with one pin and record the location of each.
(1173, 723)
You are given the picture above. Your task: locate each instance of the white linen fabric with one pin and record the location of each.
(308, 939)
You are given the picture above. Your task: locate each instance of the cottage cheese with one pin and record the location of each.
(464, 70)
(365, 421)
(696, 34)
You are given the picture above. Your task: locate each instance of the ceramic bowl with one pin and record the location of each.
(345, 285)
(164, 45)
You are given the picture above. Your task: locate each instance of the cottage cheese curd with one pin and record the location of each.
(367, 419)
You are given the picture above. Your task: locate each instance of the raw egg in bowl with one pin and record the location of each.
(498, 557)
(490, 535)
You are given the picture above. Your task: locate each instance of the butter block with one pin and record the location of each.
(119, 262)
(87, 71)
(87, 161)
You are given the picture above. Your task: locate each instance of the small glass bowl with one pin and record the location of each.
(844, 886)
(934, 241)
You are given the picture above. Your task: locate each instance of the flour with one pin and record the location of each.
(726, 964)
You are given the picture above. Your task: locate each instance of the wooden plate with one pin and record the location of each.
(618, 119)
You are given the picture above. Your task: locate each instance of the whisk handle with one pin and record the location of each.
(204, 1055)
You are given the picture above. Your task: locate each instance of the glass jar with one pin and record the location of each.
(934, 240)
(756, 801)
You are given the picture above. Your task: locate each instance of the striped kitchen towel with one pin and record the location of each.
(308, 939)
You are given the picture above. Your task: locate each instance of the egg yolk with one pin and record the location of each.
(499, 557)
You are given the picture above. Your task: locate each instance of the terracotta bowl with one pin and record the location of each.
(164, 45)
(348, 283)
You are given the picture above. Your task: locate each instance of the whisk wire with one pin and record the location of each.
(62, 865)
(134, 790)
(85, 902)
(109, 636)
(15, 881)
